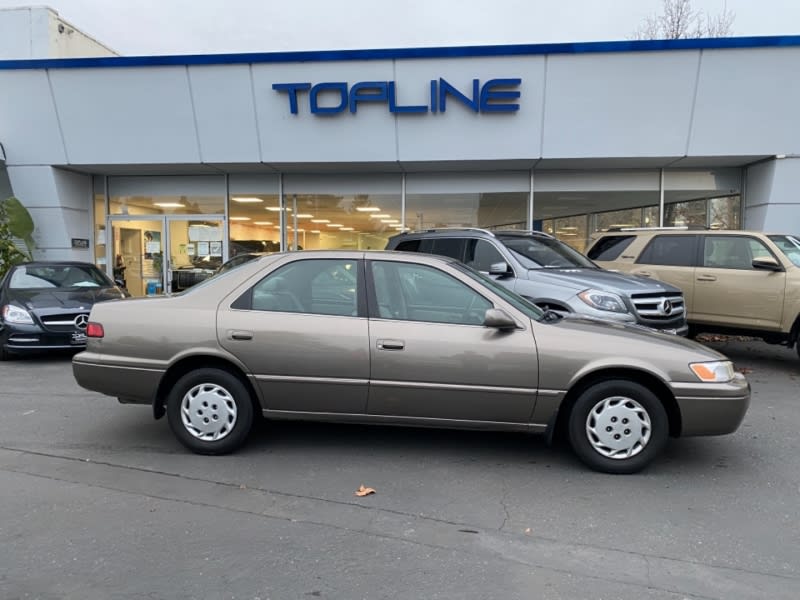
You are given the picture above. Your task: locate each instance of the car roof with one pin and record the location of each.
(657, 231)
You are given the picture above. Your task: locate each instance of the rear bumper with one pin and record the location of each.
(712, 408)
(132, 385)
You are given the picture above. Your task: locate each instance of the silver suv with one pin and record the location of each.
(554, 276)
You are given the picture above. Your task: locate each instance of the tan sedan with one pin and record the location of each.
(409, 339)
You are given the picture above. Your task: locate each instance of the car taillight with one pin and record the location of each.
(94, 330)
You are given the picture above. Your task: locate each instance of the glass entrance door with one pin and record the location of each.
(136, 255)
(151, 256)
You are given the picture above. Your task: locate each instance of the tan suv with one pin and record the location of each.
(736, 282)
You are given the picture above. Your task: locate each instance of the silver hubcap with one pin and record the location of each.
(208, 412)
(618, 427)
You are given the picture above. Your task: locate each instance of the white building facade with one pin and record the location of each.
(167, 163)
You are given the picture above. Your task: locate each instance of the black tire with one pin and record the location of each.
(581, 441)
(210, 383)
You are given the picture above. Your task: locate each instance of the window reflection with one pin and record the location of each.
(489, 210)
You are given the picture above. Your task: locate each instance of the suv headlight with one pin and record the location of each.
(720, 371)
(17, 315)
(603, 301)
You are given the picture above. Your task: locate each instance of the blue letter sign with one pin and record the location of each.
(494, 96)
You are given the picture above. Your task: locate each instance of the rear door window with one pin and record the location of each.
(408, 246)
(610, 247)
(670, 251)
(452, 247)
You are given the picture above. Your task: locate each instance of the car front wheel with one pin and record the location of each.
(618, 427)
(210, 411)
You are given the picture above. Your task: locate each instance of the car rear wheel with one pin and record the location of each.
(618, 426)
(210, 411)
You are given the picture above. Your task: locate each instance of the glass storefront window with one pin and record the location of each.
(725, 213)
(189, 195)
(488, 210)
(572, 231)
(354, 221)
(629, 217)
(254, 223)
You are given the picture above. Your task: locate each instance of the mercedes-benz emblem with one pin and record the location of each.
(81, 321)
(666, 307)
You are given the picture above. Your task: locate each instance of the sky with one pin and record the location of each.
(139, 27)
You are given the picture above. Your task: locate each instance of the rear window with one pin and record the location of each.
(671, 251)
(610, 247)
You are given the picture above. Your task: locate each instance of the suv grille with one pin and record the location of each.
(659, 306)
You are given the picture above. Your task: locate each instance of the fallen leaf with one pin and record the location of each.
(364, 491)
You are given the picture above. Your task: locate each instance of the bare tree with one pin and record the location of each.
(679, 19)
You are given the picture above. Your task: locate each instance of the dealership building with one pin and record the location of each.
(165, 164)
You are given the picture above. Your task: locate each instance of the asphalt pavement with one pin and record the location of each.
(99, 501)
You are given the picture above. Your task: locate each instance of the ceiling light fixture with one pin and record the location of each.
(390, 221)
(335, 225)
(368, 209)
(304, 216)
(169, 204)
(346, 229)
(380, 216)
(320, 220)
(315, 231)
(239, 218)
(247, 200)
(262, 222)
(277, 209)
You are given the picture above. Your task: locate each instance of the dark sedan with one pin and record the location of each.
(45, 305)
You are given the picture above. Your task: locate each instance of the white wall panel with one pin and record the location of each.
(459, 133)
(617, 105)
(226, 114)
(747, 103)
(59, 202)
(772, 202)
(29, 129)
(366, 136)
(130, 115)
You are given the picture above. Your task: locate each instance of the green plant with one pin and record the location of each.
(15, 222)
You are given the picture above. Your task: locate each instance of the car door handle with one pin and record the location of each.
(706, 278)
(391, 345)
(240, 335)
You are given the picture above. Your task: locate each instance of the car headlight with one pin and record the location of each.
(603, 301)
(720, 371)
(17, 315)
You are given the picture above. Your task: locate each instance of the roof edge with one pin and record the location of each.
(406, 53)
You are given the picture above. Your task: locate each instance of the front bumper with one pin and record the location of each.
(22, 339)
(712, 408)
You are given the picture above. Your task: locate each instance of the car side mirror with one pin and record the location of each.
(500, 268)
(766, 263)
(498, 319)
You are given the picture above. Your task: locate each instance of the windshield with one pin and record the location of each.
(32, 277)
(545, 253)
(518, 302)
(789, 245)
